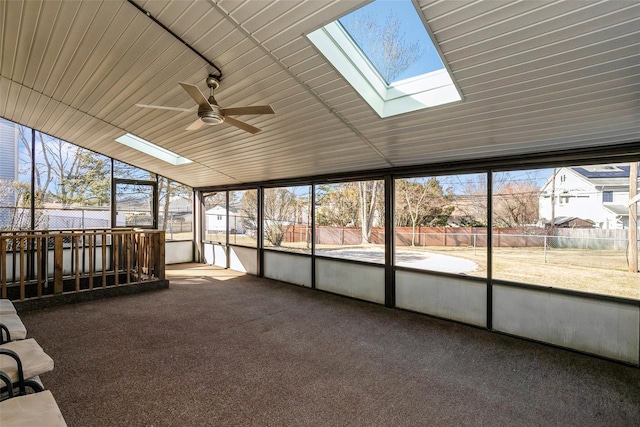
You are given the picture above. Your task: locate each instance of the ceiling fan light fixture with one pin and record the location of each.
(212, 118)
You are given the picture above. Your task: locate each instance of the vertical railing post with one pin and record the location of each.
(115, 248)
(58, 248)
(3, 265)
(103, 243)
(23, 270)
(90, 247)
(128, 246)
(75, 245)
(158, 255)
(38, 266)
(139, 255)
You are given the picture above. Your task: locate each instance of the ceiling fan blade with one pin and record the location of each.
(162, 107)
(195, 125)
(242, 125)
(197, 96)
(256, 109)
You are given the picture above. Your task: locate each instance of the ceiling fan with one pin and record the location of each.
(210, 113)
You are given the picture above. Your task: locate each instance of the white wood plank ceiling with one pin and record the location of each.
(536, 76)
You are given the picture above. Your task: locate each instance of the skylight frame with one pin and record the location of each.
(425, 91)
(152, 149)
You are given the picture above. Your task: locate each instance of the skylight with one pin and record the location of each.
(385, 52)
(152, 149)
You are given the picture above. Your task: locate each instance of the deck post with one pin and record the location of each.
(58, 247)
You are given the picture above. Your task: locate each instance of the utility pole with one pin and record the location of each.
(553, 202)
(633, 218)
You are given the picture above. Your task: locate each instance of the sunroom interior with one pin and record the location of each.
(502, 196)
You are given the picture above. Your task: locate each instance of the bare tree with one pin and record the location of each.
(15, 214)
(516, 204)
(353, 203)
(422, 202)
(211, 200)
(384, 44)
(170, 191)
(368, 192)
(337, 205)
(248, 207)
(279, 214)
(279, 210)
(471, 204)
(65, 173)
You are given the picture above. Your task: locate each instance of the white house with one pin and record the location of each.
(216, 220)
(598, 193)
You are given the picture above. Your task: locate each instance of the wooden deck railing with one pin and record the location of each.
(38, 263)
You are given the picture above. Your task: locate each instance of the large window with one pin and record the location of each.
(238, 220)
(175, 209)
(350, 220)
(441, 223)
(287, 222)
(243, 218)
(134, 205)
(135, 198)
(70, 187)
(215, 217)
(552, 227)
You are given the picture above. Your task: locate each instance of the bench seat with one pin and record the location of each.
(32, 410)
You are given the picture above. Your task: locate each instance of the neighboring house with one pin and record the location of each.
(597, 194)
(8, 171)
(216, 220)
(572, 222)
(9, 150)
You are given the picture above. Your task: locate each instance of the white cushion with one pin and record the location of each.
(32, 410)
(16, 328)
(6, 306)
(34, 360)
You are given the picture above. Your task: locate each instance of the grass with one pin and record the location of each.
(595, 271)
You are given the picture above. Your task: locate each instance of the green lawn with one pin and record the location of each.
(597, 271)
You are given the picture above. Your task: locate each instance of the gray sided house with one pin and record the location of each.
(8, 169)
(596, 194)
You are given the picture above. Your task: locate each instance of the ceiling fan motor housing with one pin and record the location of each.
(211, 117)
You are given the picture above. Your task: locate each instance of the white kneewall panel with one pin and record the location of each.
(362, 281)
(215, 254)
(220, 256)
(446, 297)
(288, 267)
(603, 327)
(178, 252)
(243, 259)
(207, 253)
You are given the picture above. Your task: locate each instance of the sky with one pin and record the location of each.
(412, 30)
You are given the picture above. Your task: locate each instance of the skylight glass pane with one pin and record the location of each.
(392, 36)
(152, 149)
(399, 83)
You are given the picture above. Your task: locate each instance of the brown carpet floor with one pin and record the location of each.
(223, 349)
